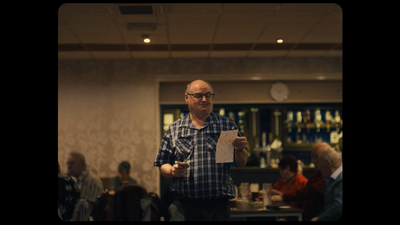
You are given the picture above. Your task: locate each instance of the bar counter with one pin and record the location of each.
(261, 175)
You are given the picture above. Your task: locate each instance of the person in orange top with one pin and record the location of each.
(290, 180)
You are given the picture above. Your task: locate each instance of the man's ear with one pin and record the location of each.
(329, 162)
(186, 98)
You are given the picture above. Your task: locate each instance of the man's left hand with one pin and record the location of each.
(240, 143)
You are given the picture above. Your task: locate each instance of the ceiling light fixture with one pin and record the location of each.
(146, 38)
(280, 40)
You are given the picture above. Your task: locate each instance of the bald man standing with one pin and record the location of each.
(204, 188)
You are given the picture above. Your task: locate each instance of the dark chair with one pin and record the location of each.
(99, 209)
(124, 205)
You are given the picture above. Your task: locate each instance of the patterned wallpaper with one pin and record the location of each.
(106, 110)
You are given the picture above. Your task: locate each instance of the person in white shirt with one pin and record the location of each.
(89, 184)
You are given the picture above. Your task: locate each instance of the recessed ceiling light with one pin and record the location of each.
(146, 38)
(280, 40)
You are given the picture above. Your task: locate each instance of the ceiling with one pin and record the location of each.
(199, 30)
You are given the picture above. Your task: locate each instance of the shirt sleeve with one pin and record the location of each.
(309, 191)
(165, 153)
(279, 185)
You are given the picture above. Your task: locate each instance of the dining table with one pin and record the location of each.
(245, 209)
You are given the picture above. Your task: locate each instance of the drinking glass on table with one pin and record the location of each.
(254, 189)
(244, 191)
(267, 187)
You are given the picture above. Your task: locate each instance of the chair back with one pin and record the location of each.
(125, 204)
(99, 212)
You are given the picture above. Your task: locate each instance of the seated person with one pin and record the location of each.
(90, 185)
(312, 195)
(290, 180)
(123, 177)
(68, 195)
(330, 164)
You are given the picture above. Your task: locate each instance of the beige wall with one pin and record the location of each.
(108, 109)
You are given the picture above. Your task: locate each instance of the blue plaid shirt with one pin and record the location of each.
(183, 142)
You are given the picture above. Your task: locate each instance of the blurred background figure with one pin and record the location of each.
(123, 177)
(312, 195)
(330, 164)
(89, 184)
(291, 180)
(68, 195)
(339, 146)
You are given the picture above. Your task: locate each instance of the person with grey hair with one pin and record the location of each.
(123, 177)
(330, 164)
(89, 184)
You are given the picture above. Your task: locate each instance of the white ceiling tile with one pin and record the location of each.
(243, 7)
(98, 19)
(234, 29)
(85, 29)
(191, 29)
(288, 28)
(190, 39)
(325, 28)
(335, 17)
(330, 38)
(84, 8)
(298, 17)
(246, 17)
(67, 39)
(309, 7)
(123, 19)
(193, 18)
(193, 7)
(99, 39)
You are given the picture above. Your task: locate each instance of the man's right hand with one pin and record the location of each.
(177, 171)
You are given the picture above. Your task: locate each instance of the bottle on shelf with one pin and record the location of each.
(265, 149)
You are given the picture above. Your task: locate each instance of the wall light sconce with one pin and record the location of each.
(279, 40)
(146, 38)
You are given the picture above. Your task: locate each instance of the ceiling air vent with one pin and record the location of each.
(135, 10)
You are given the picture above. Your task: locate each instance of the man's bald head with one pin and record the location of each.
(318, 149)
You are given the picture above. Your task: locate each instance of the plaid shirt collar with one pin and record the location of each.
(187, 122)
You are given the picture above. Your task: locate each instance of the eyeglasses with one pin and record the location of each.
(199, 96)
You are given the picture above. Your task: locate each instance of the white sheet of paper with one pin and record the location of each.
(224, 153)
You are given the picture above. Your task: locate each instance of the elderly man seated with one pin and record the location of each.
(89, 184)
(330, 164)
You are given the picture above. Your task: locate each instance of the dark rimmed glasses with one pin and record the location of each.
(198, 96)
